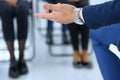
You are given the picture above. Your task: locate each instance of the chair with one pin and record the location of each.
(65, 54)
(42, 30)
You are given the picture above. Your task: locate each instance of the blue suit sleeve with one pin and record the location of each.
(104, 14)
(107, 34)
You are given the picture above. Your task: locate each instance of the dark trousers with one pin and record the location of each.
(7, 15)
(50, 27)
(75, 30)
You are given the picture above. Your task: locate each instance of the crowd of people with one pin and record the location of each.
(13, 8)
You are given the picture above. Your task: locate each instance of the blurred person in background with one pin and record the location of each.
(50, 28)
(9, 10)
(81, 58)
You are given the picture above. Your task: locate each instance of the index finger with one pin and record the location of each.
(45, 16)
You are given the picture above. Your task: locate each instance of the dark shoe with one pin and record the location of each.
(14, 70)
(65, 39)
(77, 64)
(49, 39)
(22, 67)
(87, 64)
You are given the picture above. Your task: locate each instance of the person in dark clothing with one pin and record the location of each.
(80, 57)
(18, 9)
(50, 28)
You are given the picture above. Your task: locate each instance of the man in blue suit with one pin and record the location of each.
(104, 22)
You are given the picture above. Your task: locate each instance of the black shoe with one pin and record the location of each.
(77, 64)
(22, 67)
(49, 38)
(87, 64)
(49, 41)
(14, 70)
(65, 39)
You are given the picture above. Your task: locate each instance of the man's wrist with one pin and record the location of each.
(77, 16)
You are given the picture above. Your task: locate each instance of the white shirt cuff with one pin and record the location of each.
(77, 13)
(82, 15)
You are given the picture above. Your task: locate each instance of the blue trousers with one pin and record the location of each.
(108, 62)
(50, 26)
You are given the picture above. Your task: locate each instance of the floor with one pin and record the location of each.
(44, 66)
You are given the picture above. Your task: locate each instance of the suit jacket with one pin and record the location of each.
(96, 16)
(104, 15)
(109, 63)
(104, 20)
